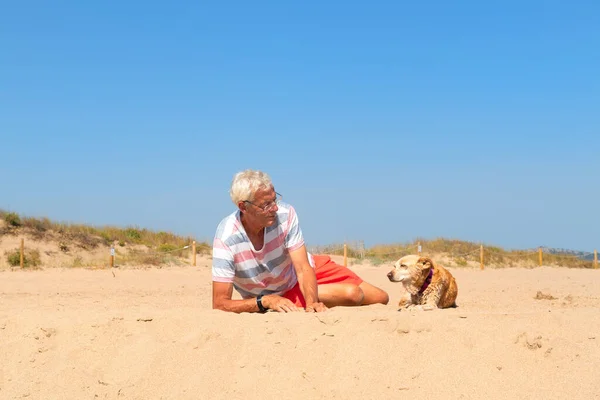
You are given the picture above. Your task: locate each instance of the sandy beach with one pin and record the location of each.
(151, 334)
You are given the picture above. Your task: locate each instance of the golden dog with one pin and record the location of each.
(428, 285)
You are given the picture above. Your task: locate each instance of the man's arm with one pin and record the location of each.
(222, 292)
(307, 279)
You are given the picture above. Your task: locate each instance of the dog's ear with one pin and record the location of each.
(425, 263)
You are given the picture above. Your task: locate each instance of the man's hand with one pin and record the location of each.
(279, 304)
(316, 307)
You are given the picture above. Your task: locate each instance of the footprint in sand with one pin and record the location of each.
(568, 300)
(533, 344)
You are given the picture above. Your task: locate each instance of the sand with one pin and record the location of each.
(151, 334)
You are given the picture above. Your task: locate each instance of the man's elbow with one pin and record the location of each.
(218, 305)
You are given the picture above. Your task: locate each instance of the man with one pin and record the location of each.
(259, 250)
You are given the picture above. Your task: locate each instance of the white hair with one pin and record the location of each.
(246, 183)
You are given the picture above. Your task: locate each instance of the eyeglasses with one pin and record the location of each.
(269, 206)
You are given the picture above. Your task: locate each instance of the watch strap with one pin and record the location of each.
(259, 303)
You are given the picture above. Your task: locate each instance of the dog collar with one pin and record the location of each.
(427, 281)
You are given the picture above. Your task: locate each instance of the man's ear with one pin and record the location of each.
(242, 206)
(425, 263)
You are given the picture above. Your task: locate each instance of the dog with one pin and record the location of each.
(428, 285)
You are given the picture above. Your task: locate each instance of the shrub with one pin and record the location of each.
(12, 219)
(31, 258)
(78, 262)
(461, 262)
(133, 234)
(164, 237)
(166, 247)
(172, 249)
(376, 261)
(40, 225)
(106, 236)
(14, 258)
(203, 248)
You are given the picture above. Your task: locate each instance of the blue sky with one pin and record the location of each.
(378, 121)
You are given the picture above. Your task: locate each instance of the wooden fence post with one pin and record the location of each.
(540, 251)
(22, 252)
(112, 256)
(481, 257)
(194, 253)
(595, 259)
(345, 255)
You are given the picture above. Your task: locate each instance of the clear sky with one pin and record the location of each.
(379, 121)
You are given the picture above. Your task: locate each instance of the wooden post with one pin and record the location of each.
(194, 253)
(345, 255)
(112, 256)
(481, 257)
(22, 252)
(595, 259)
(540, 250)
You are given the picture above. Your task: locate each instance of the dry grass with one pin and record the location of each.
(74, 242)
(460, 253)
(139, 246)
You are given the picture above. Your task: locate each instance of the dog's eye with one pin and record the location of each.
(402, 266)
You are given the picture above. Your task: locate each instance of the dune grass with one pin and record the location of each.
(460, 253)
(148, 247)
(144, 246)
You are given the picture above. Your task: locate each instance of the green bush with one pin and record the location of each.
(133, 234)
(31, 258)
(14, 258)
(166, 247)
(12, 219)
(106, 236)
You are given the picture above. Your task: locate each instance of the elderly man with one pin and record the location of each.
(259, 250)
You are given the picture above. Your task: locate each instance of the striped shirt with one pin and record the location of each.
(254, 272)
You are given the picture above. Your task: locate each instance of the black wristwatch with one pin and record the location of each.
(259, 303)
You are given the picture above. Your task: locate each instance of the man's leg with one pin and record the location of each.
(339, 286)
(348, 294)
(341, 294)
(373, 295)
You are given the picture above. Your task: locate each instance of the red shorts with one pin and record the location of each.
(327, 272)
